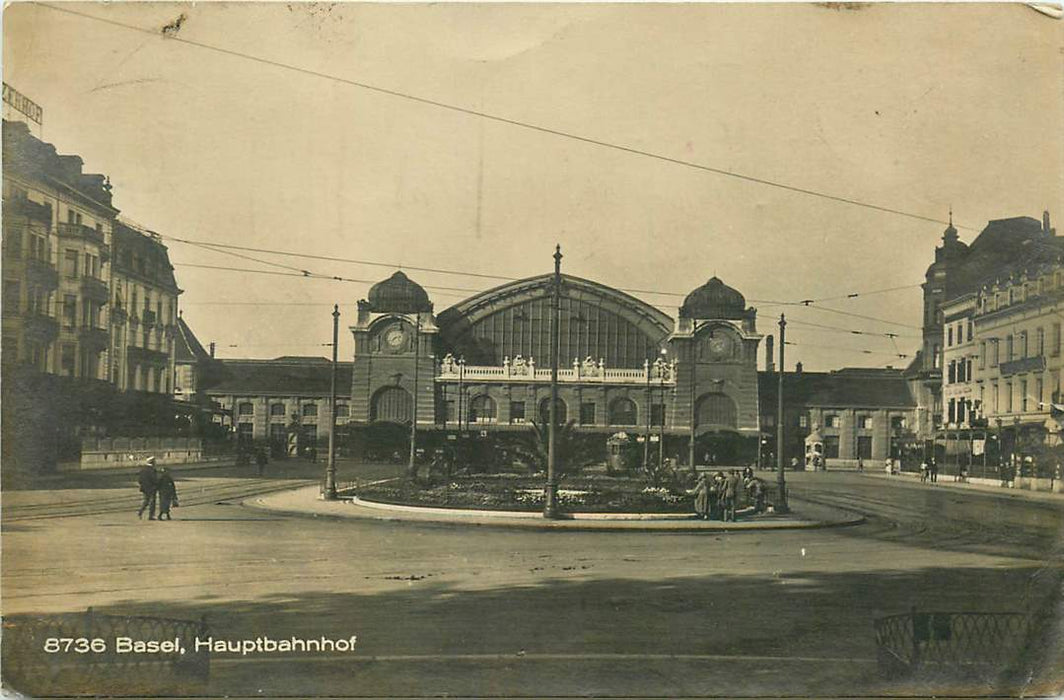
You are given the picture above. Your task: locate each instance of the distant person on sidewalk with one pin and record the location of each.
(147, 480)
(731, 493)
(702, 498)
(923, 472)
(167, 493)
(260, 461)
(860, 463)
(934, 471)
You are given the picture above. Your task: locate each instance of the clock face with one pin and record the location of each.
(720, 347)
(394, 338)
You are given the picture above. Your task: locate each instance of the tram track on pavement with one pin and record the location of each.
(956, 524)
(191, 494)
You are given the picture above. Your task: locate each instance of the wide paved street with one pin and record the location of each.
(491, 611)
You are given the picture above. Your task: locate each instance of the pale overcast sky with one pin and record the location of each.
(910, 107)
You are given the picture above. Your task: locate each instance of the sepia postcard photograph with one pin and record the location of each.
(532, 350)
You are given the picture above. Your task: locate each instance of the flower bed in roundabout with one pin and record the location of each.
(586, 494)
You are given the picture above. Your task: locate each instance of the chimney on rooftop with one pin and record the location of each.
(798, 368)
(212, 348)
(770, 347)
(1046, 228)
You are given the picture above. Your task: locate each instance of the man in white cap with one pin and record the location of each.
(148, 481)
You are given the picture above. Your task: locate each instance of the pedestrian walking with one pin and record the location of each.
(716, 496)
(260, 461)
(702, 498)
(923, 472)
(934, 471)
(731, 492)
(167, 491)
(147, 480)
(860, 463)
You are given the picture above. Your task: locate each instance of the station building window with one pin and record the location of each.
(517, 411)
(587, 414)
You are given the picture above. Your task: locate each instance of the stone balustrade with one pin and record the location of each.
(586, 371)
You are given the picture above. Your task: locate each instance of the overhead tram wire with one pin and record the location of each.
(853, 331)
(310, 275)
(298, 272)
(845, 349)
(808, 303)
(505, 278)
(857, 295)
(502, 120)
(342, 279)
(329, 258)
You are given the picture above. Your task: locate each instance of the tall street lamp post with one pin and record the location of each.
(781, 507)
(694, 412)
(646, 436)
(412, 467)
(330, 465)
(550, 492)
(661, 423)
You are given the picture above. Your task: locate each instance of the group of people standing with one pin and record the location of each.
(156, 485)
(717, 497)
(929, 471)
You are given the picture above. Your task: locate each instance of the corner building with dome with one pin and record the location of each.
(482, 366)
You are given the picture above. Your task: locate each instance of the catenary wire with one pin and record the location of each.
(502, 120)
(843, 349)
(808, 303)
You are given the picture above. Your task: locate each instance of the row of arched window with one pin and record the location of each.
(307, 410)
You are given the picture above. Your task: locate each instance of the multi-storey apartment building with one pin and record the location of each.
(89, 312)
(57, 250)
(960, 268)
(144, 312)
(1003, 358)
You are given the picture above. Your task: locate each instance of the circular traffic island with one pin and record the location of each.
(511, 492)
(590, 495)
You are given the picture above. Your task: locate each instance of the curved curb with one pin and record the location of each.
(348, 510)
(513, 514)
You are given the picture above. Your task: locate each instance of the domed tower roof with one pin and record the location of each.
(714, 299)
(398, 294)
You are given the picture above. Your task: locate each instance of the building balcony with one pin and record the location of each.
(1025, 364)
(42, 274)
(144, 356)
(94, 339)
(80, 231)
(95, 290)
(39, 328)
(23, 206)
(118, 315)
(147, 318)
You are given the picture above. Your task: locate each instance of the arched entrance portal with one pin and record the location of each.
(718, 441)
(392, 404)
(716, 411)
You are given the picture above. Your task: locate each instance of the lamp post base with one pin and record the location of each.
(550, 501)
(329, 490)
(781, 506)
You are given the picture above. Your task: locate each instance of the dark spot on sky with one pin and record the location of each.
(174, 27)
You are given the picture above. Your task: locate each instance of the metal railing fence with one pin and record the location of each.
(93, 653)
